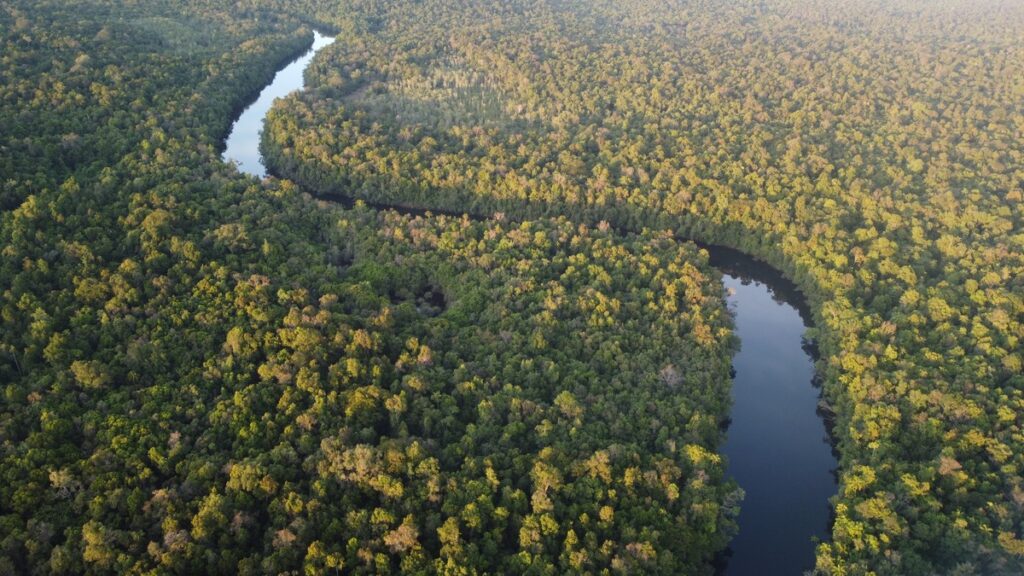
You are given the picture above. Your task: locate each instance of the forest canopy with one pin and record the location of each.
(871, 150)
(205, 373)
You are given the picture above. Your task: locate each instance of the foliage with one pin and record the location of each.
(203, 373)
(871, 150)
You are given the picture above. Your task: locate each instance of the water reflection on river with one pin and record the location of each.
(777, 444)
(243, 143)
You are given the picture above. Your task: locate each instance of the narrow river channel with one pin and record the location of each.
(243, 144)
(777, 444)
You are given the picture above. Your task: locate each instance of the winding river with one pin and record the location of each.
(243, 144)
(777, 444)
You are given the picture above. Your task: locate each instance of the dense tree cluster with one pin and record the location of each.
(870, 149)
(83, 82)
(202, 373)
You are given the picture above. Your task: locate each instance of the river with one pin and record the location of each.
(243, 143)
(777, 445)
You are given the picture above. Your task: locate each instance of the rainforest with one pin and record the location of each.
(512, 287)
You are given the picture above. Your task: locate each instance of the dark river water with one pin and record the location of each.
(777, 444)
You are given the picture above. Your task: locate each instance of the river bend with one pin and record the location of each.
(777, 445)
